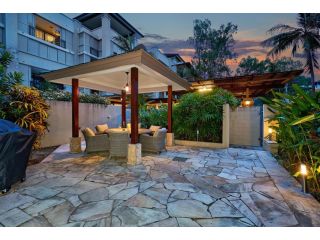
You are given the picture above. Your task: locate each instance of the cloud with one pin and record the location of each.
(242, 48)
(154, 36)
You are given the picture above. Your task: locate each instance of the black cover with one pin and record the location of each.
(15, 149)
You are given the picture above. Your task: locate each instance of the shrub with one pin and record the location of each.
(60, 95)
(19, 104)
(201, 111)
(29, 110)
(298, 134)
(154, 116)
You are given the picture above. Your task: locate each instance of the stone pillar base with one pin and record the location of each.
(75, 144)
(170, 139)
(134, 154)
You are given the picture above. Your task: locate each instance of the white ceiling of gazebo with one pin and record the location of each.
(109, 74)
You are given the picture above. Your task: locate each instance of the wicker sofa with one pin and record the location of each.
(155, 143)
(95, 143)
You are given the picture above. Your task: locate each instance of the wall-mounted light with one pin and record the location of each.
(247, 101)
(126, 88)
(204, 89)
(304, 172)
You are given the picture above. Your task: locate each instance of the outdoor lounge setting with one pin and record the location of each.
(146, 75)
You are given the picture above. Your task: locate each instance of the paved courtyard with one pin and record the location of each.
(184, 186)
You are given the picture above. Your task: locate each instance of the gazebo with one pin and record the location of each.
(146, 74)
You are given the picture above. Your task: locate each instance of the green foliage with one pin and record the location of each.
(154, 116)
(203, 112)
(60, 95)
(19, 104)
(126, 43)
(252, 65)
(305, 36)
(213, 47)
(29, 110)
(298, 116)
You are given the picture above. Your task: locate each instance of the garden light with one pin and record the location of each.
(303, 171)
(270, 130)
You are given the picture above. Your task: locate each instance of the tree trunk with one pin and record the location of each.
(311, 68)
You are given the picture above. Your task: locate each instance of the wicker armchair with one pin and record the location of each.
(155, 143)
(119, 144)
(95, 143)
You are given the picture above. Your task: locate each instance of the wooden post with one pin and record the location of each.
(134, 105)
(169, 109)
(123, 109)
(75, 107)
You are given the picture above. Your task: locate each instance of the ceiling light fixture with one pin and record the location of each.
(127, 84)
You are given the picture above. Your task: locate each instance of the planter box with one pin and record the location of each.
(200, 144)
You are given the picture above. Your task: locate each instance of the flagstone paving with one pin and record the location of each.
(225, 187)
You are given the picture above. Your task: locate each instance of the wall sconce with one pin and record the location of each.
(304, 172)
(204, 89)
(247, 101)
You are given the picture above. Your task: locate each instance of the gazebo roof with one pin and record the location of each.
(258, 84)
(109, 74)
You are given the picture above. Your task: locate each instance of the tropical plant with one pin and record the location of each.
(305, 35)
(213, 47)
(19, 104)
(126, 43)
(195, 111)
(154, 116)
(29, 110)
(298, 117)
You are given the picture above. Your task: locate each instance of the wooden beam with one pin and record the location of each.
(170, 109)
(134, 105)
(123, 109)
(75, 107)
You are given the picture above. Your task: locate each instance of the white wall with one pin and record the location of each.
(245, 125)
(90, 115)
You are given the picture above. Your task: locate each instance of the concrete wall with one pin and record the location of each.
(90, 115)
(245, 126)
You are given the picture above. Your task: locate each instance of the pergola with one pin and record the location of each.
(146, 75)
(255, 84)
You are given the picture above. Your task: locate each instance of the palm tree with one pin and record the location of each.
(126, 43)
(305, 35)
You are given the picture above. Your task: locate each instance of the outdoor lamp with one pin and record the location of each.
(270, 133)
(126, 88)
(247, 101)
(303, 171)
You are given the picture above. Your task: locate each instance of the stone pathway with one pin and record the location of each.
(229, 187)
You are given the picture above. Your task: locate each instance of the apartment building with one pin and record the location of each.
(50, 41)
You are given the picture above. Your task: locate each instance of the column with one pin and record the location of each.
(134, 148)
(170, 135)
(75, 142)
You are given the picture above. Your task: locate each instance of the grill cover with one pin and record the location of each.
(15, 149)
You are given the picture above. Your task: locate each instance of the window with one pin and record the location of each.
(1, 35)
(94, 51)
(39, 34)
(47, 31)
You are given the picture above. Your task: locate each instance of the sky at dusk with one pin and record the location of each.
(169, 32)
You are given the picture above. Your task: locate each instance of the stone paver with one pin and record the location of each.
(213, 187)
